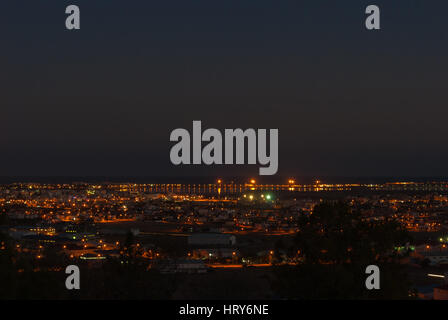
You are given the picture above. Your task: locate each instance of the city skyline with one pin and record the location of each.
(224, 241)
(223, 158)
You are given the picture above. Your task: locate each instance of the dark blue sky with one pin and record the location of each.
(103, 100)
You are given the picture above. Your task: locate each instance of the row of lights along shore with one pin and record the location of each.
(253, 181)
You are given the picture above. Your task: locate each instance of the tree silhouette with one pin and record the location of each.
(336, 245)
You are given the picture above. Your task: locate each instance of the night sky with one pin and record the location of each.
(102, 101)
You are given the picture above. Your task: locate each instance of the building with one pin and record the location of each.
(435, 254)
(181, 266)
(211, 239)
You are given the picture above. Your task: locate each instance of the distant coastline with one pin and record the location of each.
(209, 179)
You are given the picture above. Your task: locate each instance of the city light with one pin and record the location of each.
(186, 211)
